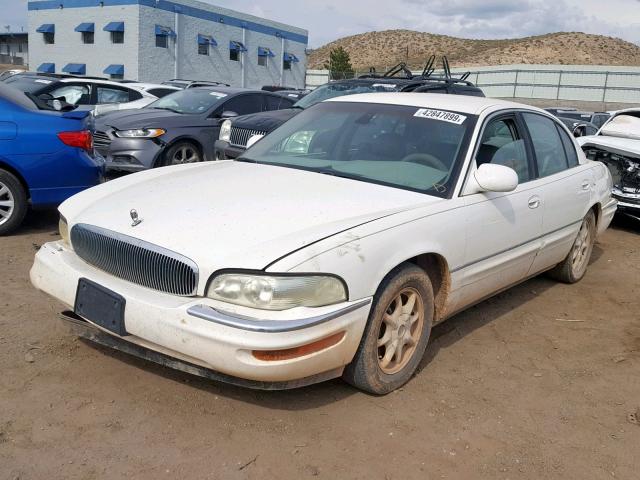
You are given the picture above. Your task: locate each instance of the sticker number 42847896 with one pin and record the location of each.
(441, 115)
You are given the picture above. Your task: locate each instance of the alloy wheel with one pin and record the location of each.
(7, 203)
(581, 249)
(185, 154)
(400, 331)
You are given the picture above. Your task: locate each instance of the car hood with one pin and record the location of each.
(265, 121)
(619, 145)
(141, 118)
(235, 214)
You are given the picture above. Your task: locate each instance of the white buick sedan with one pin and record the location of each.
(334, 245)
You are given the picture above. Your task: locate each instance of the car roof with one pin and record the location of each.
(230, 90)
(147, 86)
(458, 103)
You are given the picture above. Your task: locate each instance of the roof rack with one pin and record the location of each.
(391, 73)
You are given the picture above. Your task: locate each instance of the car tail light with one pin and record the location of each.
(82, 139)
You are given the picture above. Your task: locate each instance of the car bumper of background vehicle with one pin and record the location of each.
(225, 151)
(132, 154)
(163, 323)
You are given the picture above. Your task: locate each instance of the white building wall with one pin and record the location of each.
(68, 46)
(145, 62)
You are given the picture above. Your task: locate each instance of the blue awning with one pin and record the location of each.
(165, 31)
(114, 27)
(47, 68)
(207, 40)
(75, 68)
(46, 28)
(265, 52)
(238, 46)
(85, 27)
(290, 57)
(114, 70)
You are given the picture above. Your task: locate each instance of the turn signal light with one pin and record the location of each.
(290, 353)
(82, 139)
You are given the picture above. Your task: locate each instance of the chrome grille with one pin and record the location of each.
(101, 141)
(135, 260)
(240, 136)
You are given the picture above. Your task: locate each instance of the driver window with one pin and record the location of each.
(73, 94)
(501, 144)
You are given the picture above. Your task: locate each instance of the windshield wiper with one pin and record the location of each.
(167, 108)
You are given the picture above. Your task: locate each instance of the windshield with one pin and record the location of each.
(412, 148)
(332, 90)
(190, 102)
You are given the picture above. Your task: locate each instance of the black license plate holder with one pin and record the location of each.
(101, 306)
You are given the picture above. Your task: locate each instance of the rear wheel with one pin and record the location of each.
(396, 336)
(181, 153)
(574, 267)
(13, 202)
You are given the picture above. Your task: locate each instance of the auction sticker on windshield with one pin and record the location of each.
(441, 115)
(218, 94)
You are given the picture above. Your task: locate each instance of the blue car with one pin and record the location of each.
(46, 155)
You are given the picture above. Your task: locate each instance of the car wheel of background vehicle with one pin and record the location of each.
(397, 333)
(573, 268)
(13, 202)
(182, 152)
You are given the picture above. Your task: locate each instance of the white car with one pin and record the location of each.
(102, 96)
(334, 244)
(617, 145)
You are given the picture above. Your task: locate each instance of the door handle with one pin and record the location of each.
(586, 184)
(534, 202)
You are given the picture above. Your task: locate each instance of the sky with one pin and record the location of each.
(328, 20)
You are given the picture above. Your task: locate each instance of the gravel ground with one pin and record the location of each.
(540, 382)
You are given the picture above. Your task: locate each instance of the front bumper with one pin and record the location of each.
(199, 332)
(628, 203)
(130, 154)
(225, 151)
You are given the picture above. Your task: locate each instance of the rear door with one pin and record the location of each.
(567, 187)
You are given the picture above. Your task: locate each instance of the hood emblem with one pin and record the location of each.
(135, 220)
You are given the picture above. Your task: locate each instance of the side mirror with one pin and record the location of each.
(228, 114)
(579, 130)
(496, 178)
(253, 140)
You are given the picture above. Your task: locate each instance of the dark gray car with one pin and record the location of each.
(179, 128)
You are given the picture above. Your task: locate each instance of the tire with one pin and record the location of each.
(13, 202)
(181, 153)
(381, 369)
(574, 267)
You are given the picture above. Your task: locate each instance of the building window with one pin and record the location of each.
(234, 55)
(203, 49)
(286, 64)
(263, 61)
(49, 38)
(117, 37)
(116, 76)
(20, 48)
(87, 37)
(162, 41)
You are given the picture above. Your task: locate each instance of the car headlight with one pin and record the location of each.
(63, 228)
(225, 131)
(277, 292)
(140, 133)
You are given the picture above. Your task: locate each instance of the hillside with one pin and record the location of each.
(389, 47)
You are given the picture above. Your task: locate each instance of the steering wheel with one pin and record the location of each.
(426, 160)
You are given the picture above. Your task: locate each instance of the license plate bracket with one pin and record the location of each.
(100, 306)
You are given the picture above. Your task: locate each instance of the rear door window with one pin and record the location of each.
(244, 104)
(547, 144)
(109, 94)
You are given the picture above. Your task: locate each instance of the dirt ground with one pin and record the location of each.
(541, 382)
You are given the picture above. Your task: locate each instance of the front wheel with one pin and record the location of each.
(396, 336)
(13, 202)
(181, 153)
(574, 267)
